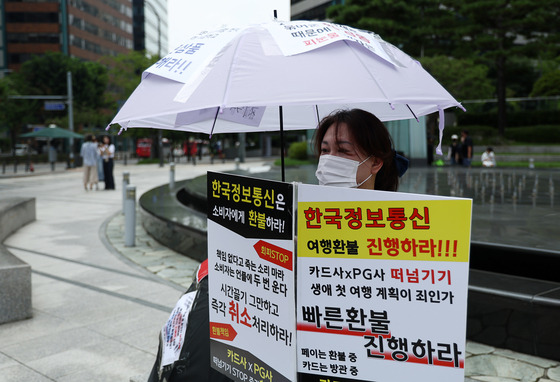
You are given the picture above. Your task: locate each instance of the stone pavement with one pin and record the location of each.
(98, 305)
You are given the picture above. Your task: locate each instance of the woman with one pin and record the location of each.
(108, 154)
(488, 158)
(356, 151)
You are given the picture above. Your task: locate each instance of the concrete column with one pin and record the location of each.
(130, 217)
(125, 183)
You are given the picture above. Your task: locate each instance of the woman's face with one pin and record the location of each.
(342, 144)
(106, 140)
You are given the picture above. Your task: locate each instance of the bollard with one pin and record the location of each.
(237, 160)
(125, 159)
(171, 175)
(531, 163)
(125, 182)
(130, 217)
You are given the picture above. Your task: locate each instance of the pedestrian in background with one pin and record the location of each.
(467, 148)
(453, 154)
(108, 154)
(193, 149)
(89, 153)
(99, 159)
(52, 154)
(488, 158)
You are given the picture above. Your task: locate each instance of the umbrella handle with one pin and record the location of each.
(282, 142)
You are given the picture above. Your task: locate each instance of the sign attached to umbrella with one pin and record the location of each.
(189, 60)
(302, 36)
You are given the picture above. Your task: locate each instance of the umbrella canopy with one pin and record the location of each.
(234, 79)
(52, 132)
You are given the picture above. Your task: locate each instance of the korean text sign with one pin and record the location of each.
(382, 285)
(251, 278)
(188, 62)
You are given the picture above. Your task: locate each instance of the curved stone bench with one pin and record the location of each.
(172, 223)
(15, 274)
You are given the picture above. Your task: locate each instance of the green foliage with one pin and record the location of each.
(547, 85)
(481, 134)
(549, 134)
(148, 161)
(487, 135)
(419, 27)
(508, 36)
(461, 77)
(514, 118)
(298, 150)
(124, 75)
(14, 114)
(46, 75)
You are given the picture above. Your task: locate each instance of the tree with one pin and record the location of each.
(125, 75)
(418, 27)
(491, 32)
(46, 75)
(14, 114)
(498, 30)
(547, 85)
(473, 83)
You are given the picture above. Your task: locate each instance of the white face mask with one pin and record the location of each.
(339, 172)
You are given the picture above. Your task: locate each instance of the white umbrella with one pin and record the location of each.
(234, 79)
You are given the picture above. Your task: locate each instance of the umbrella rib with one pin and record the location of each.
(369, 72)
(233, 62)
(415, 117)
(214, 124)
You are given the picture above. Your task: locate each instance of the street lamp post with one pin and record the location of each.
(70, 114)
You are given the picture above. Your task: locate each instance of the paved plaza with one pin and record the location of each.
(98, 306)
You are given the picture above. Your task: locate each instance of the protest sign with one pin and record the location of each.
(381, 286)
(251, 278)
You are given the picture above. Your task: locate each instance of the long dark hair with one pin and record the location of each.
(372, 137)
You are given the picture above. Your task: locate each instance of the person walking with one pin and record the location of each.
(89, 153)
(107, 151)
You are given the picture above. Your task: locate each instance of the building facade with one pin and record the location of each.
(150, 26)
(311, 9)
(86, 29)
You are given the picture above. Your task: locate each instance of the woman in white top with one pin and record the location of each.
(488, 159)
(107, 151)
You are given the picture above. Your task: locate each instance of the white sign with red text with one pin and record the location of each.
(382, 285)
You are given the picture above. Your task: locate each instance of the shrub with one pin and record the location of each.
(298, 150)
(514, 117)
(549, 134)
